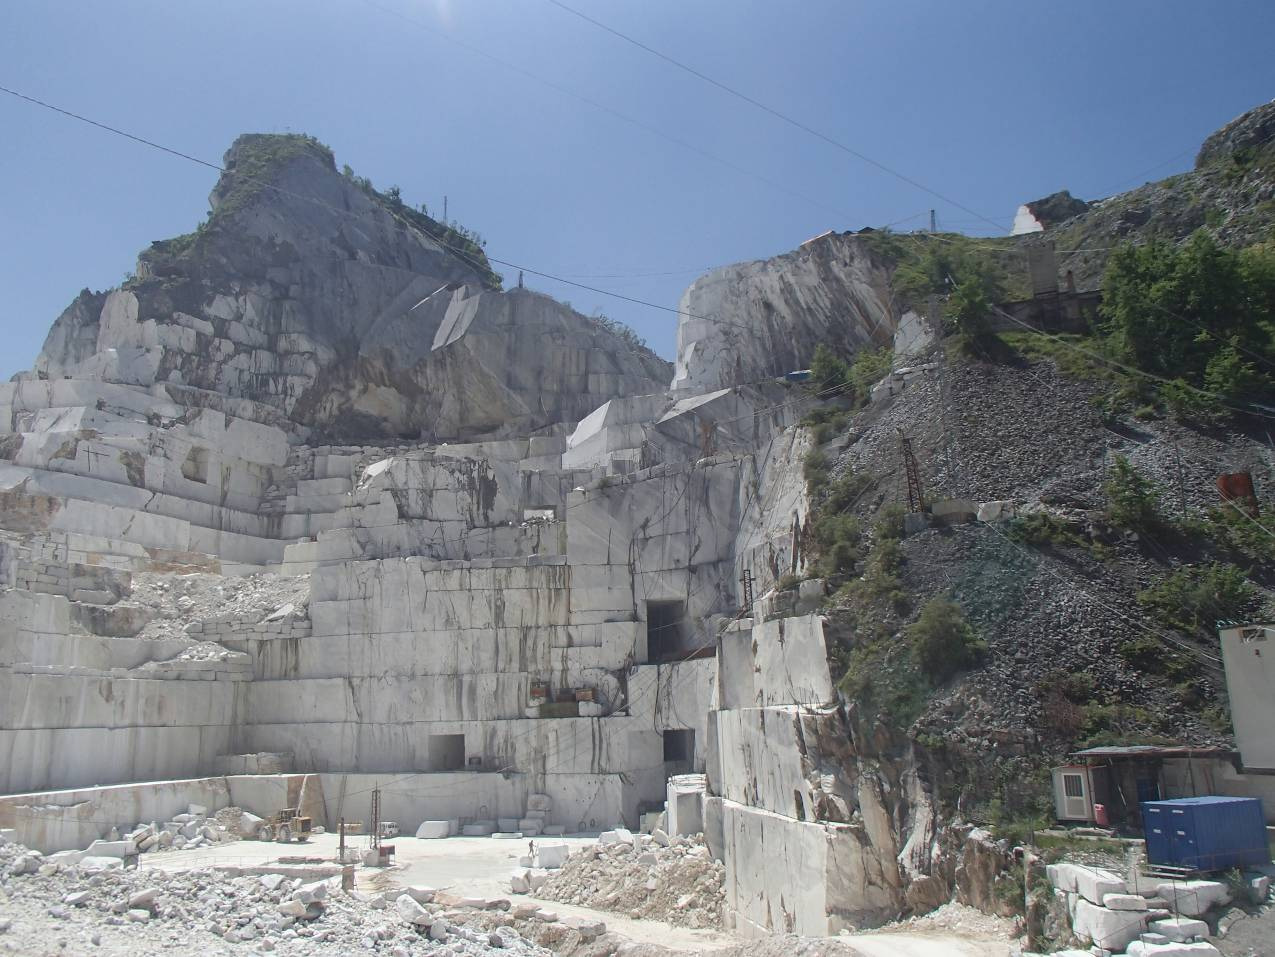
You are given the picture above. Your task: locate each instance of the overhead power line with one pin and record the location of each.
(460, 253)
(797, 124)
(609, 110)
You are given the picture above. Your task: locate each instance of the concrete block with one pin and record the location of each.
(519, 882)
(1179, 929)
(1193, 898)
(1124, 902)
(620, 835)
(420, 893)
(433, 830)
(1109, 929)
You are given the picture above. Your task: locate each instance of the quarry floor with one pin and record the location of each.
(480, 867)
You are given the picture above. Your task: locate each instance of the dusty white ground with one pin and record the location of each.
(480, 867)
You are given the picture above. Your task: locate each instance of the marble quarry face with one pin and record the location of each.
(281, 508)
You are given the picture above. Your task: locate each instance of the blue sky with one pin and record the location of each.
(989, 103)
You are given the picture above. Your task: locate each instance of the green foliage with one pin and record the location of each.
(1132, 502)
(256, 159)
(627, 335)
(890, 522)
(1195, 315)
(1192, 599)
(1232, 526)
(1074, 355)
(814, 469)
(831, 373)
(882, 677)
(826, 423)
(840, 541)
(838, 534)
(1117, 723)
(845, 492)
(938, 265)
(869, 367)
(465, 244)
(944, 642)
(1043, 528)
(1064, 695)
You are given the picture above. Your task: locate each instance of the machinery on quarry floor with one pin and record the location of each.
(285, 826)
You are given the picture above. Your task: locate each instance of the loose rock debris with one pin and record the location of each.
(655, 877)
(101, 907)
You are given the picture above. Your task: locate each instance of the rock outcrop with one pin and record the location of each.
(353, 315)
(1254, 130)
(754, 321)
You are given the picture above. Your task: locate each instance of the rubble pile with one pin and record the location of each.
(649, 876)
(185, 831)
(175, 601)
(99, 906)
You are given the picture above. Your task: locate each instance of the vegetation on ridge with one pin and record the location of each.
(253, 162)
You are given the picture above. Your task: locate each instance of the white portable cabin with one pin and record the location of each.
(1073, 793)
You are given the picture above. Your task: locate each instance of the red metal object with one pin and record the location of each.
(1238, 487)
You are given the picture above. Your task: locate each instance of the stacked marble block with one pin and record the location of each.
(141, 465)
(445, 581)
(1104, 912)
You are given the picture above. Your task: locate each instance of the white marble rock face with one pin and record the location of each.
(387, 542)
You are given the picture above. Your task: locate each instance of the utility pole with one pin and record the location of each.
(376, 818)
(444, 209)
(746, 580)
(934, 225)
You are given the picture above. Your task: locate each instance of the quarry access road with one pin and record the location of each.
(480, 867)
(461, 866)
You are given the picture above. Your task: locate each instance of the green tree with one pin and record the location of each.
(829, 371)
(1133, 503)
(943, 640)
(1198, 314)
(1193, 599)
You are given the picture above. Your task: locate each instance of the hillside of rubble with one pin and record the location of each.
(1080, 610)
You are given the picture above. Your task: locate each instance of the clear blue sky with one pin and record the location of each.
(990, 103)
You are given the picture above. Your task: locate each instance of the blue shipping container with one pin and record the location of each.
(1206, 833)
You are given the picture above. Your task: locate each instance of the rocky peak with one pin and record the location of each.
(309, 291)
(255, 160)
(1250, 132)
(1056, 208)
